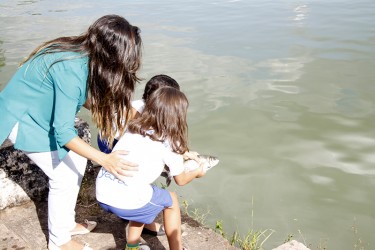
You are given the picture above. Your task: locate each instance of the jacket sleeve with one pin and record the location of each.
(68, 90)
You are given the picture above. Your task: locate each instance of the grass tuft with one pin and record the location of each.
(253, 240)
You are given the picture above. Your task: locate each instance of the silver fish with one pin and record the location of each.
(208, 162)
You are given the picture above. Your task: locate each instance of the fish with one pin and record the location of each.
(208, 162)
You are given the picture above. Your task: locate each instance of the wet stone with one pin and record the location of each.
(20, 179)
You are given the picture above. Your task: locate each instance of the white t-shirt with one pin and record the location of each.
(134, 192)
(137, 105)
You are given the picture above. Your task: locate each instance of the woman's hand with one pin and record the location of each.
(116, 165)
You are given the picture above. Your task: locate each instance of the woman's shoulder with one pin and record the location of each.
(68, 67)
(64, 60)
(71, 58)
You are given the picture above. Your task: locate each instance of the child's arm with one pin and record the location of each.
(186, 177)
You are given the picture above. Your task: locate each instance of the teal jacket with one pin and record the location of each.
(44, 96)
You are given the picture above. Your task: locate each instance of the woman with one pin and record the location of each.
(39, 104)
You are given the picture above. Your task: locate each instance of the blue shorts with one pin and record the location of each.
(160, 200)
(103, 146)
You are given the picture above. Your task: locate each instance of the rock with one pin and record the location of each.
(292, 245)
(20, 179)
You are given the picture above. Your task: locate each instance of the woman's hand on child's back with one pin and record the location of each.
(116, 165)
(113, 162)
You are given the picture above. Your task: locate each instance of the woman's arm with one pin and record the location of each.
(112, 162)
(68, 88)
(186, 177)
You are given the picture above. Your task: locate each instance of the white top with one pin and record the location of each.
(134, 192)
(137, 105)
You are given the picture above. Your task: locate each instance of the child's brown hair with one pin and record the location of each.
(165, 114)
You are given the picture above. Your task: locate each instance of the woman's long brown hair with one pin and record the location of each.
(113, 47)
(165, 114)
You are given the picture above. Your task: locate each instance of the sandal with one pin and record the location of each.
(90, 226)
(139, 246)
(52, 246)
(154, 233)
(144, 247)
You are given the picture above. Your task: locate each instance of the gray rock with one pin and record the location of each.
(20, 179)
(292, 245)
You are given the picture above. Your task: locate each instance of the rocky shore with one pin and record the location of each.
(23, 210)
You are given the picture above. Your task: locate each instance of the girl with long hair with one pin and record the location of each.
(39, 104)
(156, 138)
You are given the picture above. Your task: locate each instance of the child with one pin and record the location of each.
(153, 84)
(157, 137)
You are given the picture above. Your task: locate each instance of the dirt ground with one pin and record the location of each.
(194, 235)
(25, 228)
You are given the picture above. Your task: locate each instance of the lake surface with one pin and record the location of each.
(281, 91)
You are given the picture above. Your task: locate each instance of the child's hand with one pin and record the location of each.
(201, 171)
(186, 177)
(191, 155)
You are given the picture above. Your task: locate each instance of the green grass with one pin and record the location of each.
(196, 213)
(253, 240)
(359, 243)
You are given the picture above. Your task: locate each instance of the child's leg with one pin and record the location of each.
(135, 231)
(172, 224)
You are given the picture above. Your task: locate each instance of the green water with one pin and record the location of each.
(281, 91)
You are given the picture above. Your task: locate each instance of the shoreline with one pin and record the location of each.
(25, 227)
(23, 218)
